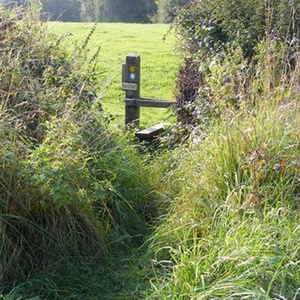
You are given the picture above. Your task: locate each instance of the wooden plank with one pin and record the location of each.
(146, 102)
(150, 133)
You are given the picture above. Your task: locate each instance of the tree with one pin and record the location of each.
(129, 11)
(90, 10)
(209, 26)
(167, 9)
(68, 10)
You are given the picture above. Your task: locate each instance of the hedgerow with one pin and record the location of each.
(222, 40)
(65, 182)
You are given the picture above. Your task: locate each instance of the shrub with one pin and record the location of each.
(66, 184)
(234, 215)
(207, 27)
(223, 41)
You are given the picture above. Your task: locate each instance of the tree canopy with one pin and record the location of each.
(133, 11)
(128, 11)
(167, 9)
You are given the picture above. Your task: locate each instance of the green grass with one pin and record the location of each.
(228, 234)
(231, 227)
(159, 63)
(65, 181)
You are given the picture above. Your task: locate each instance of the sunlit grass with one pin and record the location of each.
(159, 62)
(234, 218)
(231, 226)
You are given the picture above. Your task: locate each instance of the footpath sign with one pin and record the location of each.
(131, 76)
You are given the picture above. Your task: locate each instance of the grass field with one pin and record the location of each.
(159, 62)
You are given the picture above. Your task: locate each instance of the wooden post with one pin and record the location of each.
(131, 76)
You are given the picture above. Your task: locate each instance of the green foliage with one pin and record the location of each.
(33, 63)
(41, 83)
(62, 10)
(234, 215)
(222, 41)
(75, 201)
(234, 189)
(67, 186)
(206, 27)
(133, 11)
(101, 10)
(89, 281)
(167, 9)
(90, 10)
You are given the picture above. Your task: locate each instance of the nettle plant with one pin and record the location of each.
(223, 40)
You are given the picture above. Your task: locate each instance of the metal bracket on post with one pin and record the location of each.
(131, 76)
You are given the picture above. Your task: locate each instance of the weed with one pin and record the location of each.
(66, 185)
(235, 205)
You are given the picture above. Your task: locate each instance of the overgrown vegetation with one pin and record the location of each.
(66, 184)
(222, 209)
(235, 215)
(223, 43)
(235, 188)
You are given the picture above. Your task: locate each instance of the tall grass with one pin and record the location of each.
(43, 220)
(234, 218)
(70, 191)
(77, 201)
